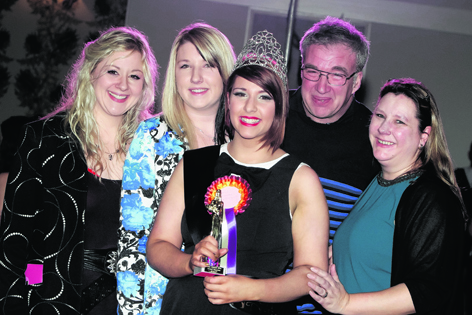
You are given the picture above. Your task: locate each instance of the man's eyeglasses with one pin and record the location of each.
(334, 79)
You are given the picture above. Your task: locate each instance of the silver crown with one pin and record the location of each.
(263, 50)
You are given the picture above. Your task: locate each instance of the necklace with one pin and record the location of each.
(409, 175)
(110, 155)
(209, 137)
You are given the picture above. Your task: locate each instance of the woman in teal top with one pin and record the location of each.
(364, 266)
(400, 251)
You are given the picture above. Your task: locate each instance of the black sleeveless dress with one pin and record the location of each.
(264, 236)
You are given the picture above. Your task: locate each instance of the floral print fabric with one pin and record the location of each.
(151, 160)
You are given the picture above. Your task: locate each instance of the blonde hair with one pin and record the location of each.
(215, 49)
(79, 98)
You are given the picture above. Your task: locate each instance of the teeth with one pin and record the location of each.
(250, 121)
(385, 142)
(199, 90)
(117, 96)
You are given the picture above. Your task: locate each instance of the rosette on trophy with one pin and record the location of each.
(225, 198)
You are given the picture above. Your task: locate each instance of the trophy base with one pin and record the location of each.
(209, 271)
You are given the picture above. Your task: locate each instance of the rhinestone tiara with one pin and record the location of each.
(263, 50)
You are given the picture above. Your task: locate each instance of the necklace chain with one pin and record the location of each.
(209, 137)
(111, 154)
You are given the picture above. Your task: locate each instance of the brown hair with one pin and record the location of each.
(272, 84)
(435, 154)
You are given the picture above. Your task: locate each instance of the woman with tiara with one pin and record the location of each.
(280, 213)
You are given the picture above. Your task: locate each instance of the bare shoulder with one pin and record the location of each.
(305, 175)
(305, 189)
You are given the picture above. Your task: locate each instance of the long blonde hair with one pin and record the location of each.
(215, 49)
(79, 98)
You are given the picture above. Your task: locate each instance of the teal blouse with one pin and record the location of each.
(362, 246)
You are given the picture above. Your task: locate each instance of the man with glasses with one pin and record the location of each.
(326, 127)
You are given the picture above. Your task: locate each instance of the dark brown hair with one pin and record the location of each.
(272, 84)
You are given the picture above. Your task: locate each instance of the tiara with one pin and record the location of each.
(263, 50)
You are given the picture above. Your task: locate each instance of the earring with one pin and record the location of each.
(421, 146)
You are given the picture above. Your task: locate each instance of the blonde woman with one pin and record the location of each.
(200, 62)
(61, 211)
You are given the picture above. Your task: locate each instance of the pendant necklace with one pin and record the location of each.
(110, 155)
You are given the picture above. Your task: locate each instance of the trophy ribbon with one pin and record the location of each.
(235, 194)
(230, 258)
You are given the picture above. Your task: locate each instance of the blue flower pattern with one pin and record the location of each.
(136, 217)
(155, 149)
(154, 285)
(128, 282)
(142, 244)
(167, 145)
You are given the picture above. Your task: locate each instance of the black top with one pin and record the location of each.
(339, 151)
(103, 205)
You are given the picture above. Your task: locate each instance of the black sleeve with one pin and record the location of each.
(428, 245)
(22, 200)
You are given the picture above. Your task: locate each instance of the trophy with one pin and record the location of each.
(216, 207)
(225, 198)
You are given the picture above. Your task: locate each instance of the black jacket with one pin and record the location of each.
(42, 222)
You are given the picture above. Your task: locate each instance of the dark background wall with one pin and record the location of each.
(39, 40)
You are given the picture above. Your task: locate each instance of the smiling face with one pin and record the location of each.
(325, 103)
(251, 109)
(198, 83)
(395, 136)
(118, 83)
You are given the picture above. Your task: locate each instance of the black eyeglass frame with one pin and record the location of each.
(326, 74)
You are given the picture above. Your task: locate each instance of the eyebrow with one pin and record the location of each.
(245, 90)
(131, 70)
(402, 117)
(396, 116)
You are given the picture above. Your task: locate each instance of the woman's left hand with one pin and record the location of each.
(228, 289)
(327, 289)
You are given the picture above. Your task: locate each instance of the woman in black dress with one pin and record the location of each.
(281, 211)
